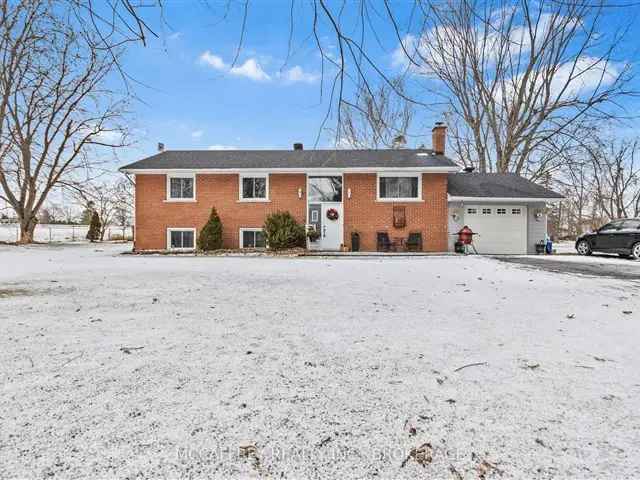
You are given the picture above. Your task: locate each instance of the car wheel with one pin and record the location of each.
(635, 251)
(584, 248)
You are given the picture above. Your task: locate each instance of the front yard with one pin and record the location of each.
(163, 366)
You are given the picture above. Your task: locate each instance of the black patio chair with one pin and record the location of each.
(384, 244)
(414, 242)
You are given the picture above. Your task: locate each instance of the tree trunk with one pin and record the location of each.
(27, 228)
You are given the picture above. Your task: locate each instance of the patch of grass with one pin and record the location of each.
(13, 292)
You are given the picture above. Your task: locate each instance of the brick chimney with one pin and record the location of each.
(439, 138)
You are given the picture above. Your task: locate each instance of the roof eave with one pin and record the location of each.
(454, 198)
(164, 171)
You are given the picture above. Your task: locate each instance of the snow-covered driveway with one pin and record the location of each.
(138, 366)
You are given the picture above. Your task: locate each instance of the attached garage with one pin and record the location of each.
(507, 212)
(500, 229)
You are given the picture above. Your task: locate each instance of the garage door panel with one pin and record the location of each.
(500, 229)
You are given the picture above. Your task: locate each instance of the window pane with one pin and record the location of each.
(325, 189)
(176, 239)
(247, 188)
(176, 188)
(187, 239)
(187, 187)
(248, 239)
(260, 241)
(398, 187)
(260, 187)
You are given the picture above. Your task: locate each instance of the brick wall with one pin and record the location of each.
(361, 212)
(367, 216)
(154, 215)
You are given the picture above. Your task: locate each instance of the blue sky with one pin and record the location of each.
(193, 98)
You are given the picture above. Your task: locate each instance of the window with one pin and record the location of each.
(399, 187)
(181, 188)
(610, 227)
(314, 215)
(501, 211)
(325, 189)
(486, 211)
(472, 211)
(516, 211)
(631, 225)
(181, 238)
(252, 238)
(254, 187)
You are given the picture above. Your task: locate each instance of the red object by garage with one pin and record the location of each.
(465, 235)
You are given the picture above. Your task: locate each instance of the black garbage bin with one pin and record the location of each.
(355, 242)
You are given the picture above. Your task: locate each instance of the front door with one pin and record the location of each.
(331, 226)
(324, 210)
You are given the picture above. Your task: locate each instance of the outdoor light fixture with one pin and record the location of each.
(348, 193)
(455, 217)
(299, 193)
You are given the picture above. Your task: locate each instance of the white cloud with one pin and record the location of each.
(222, 147)
(209, 59)
(250, 69)
(297, 74)
(197, 133)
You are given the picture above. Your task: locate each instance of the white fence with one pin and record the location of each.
(10, 232)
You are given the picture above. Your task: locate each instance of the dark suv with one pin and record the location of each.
(619, 236)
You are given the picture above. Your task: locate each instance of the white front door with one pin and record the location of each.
(331, 230)
(500, 229)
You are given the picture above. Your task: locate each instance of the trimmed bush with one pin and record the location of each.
(211, 234)
(282, 231)
(94, 228)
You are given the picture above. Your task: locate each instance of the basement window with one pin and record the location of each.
(181, 238)
(254, 188)
(252, 238)
(181, 187)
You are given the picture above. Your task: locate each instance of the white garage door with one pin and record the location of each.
(500, 229)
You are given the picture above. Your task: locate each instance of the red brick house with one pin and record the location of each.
(383, 195)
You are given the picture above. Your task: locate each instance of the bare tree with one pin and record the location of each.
(376, 119)
(517, 74)
(616, 176)
(59, 113)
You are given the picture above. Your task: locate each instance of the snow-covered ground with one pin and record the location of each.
(179, 366)
(10, 232)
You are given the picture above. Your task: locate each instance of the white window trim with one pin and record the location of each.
(178, 229)
(242, 230)
(180, 175)
(253, 200)
(399, 174)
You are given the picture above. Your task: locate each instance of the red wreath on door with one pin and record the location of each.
(332, 214)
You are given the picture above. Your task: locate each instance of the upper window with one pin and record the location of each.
(501, 211)
(181, 239)
(472, 211)
(325, 189)
(486, 211)
(181, 187)
(399, 187)
(516, 211)
(254, 187)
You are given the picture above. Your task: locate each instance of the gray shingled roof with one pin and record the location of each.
(294, 159)
(497, 185)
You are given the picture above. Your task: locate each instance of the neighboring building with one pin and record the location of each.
(380, 194)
